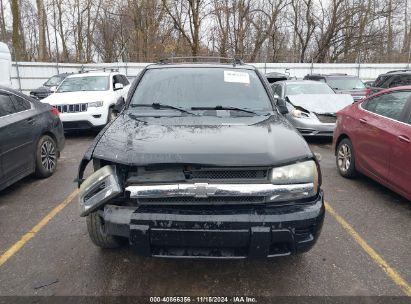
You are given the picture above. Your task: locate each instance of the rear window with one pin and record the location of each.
(345, 83)
(202, 87)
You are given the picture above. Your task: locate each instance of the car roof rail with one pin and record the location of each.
(329, 74)
(98, 69)
(202, 59)
(398, 71)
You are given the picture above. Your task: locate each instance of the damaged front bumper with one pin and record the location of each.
(309, 127)
(288, 221)
(217, 231)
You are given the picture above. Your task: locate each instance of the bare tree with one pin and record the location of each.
(42, 25)
(16, 34)
(187, 16)
(3, 31)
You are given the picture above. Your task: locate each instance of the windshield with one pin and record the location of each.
(87, 83)
(347, 83)
(308, 88)
(54, 81)
(202, 87)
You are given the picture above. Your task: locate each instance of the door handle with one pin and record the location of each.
(363, 120)
(31, 120)
(404, 139)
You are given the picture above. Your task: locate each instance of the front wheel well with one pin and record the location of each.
(48, 133)
(339, 139)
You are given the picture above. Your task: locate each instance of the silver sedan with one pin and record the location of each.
(312, 105)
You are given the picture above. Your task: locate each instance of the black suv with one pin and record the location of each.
(201, 163)
(49, 86)
(391, 79)
(342, 84)
(275, 76)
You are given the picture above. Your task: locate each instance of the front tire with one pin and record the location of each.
(46, 157)
(97, 232)
(111, 115)
(345, 159)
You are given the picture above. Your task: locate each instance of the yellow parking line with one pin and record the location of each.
(391, 272)
(32, 233)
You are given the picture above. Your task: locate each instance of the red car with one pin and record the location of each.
(373, 137)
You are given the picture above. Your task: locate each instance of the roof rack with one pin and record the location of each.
(202, 59)
(337, 74)
(329, 74)
(398, 71)
(98, 69)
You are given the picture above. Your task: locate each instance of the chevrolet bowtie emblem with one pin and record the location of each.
(202, 190)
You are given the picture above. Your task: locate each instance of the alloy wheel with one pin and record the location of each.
(48, 156)
(344, 157)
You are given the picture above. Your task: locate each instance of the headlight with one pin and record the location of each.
(299, 173)
(300, 114)
(98, 189)
(301, 180)
(96, 104)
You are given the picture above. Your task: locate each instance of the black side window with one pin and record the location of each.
(382, 81)
(20, 104)
(389, 105)
(396, 82)
(117, 79)
(276, 89)
(125, 80)
(405, 80)
(6, 105)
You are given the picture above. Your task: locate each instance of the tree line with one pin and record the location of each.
(254, 30)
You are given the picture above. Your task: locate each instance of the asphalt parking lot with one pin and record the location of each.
(364, 248)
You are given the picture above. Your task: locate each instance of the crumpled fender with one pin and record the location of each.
(88, 156)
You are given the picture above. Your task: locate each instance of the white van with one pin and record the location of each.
(5, 65)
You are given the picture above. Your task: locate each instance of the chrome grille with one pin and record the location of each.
(326, 118)
(74, 108)
(199, 201)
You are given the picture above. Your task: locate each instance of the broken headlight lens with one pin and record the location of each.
(300, 114)
(299, 173)
(98, 189)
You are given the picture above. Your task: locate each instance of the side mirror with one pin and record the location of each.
(118, 86)
(282, 106)
(53, 89)
(119, 106)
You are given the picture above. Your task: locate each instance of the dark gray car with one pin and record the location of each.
(31, 137)
(49, 86)
(342, 84)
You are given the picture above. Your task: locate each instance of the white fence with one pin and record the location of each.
(29, 75)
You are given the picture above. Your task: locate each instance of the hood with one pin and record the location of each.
(42, 89)
(321, 103)
(207, 140)
(75, 97)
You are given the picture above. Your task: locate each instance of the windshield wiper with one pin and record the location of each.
(159, 106)
(225, 108)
